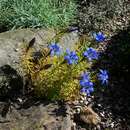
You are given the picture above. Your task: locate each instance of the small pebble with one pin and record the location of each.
(74, 125)
(99, 105)
(89, 99)
(78, 110)
(86, 103)
(101, 114)
(81, 101)
(98, 127)
(112, 125)
(76, 102)
(20, 100)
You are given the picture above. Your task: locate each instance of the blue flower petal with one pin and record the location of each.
(91, 54)
(91, 89)
(103, 76)
(99, 37)
(71, 57)
(55, 49)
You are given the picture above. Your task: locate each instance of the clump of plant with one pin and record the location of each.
(59, 75)
(37, 13)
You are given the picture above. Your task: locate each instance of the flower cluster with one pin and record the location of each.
(68, 75)
(71, 57)
(55, 49)
(91, 54)
(103, 76)
(86, 84)
(99, 37)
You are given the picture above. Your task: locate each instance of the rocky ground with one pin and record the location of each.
(103, 15)
(107, 109)
(113, 18)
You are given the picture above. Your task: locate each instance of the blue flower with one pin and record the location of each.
(103, 76)
(99, 37)
(91, 54)
(88, 91)
(71, 57)
(55, 49)
(85, 80)
(86, 84)
(85, 75)
(85, 90)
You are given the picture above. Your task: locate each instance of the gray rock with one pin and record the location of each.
(12, 42)
(39, 117)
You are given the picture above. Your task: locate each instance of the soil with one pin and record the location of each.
(112, 102)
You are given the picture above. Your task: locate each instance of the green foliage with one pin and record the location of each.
(52, 77)
(37, 13)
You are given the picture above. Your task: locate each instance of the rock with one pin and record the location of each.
(67, 122)
(12, 82)
(69, 40)
(37, 117)
(89, 116)
(11, 42)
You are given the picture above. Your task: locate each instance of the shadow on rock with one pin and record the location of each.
(11, 83)
(32, 101)
(116, 59)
